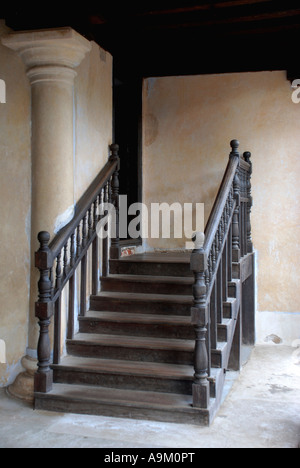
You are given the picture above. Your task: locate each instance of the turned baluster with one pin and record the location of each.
(105, 254)
(95, 252)
(78, 242)
(247, 157)
(199, 312)
(84, 231)
(90, 223)
(43, 379)
(236, 254)
(115, 242)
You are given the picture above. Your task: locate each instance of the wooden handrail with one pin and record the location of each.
(59, 260)
(227, 239)
(222, 196)
(82, 206)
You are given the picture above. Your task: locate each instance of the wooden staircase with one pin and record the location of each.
(158, 338)
(133, 355)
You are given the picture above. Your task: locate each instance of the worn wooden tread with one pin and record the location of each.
(147, 319)
(113, 397)
(186, 280)
(141, 297)
(164, 407)
(92, 339)
(159, 257)
(131, 368)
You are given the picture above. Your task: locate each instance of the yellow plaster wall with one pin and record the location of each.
(15, 195)
(93, 107)
(188, 124)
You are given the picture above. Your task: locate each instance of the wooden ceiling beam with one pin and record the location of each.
(215, 22)
(202, 7)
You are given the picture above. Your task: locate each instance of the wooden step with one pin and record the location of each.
(129, 375)
(148, 284)
(132, 348)
(230, 308)
(84, 399)
(155, 264)
(124, 323)
(225, 330)
(142, 303)
(219, 355)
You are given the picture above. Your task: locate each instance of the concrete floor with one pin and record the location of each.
(262, 410)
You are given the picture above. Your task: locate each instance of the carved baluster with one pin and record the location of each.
(115, 242)
(84, 231)
(66, 259)
(58, 271)
(95, 254)
(90, 223)
(71, 308)
(51, 280)
(230, 200)
(78, 242)
(247, 157)
(210, 264)
(220, 236)
(83, 276)
(201, 393)
(242, 212)
(105, 256)
(72, 250)
(95, 216)
(235, 223)
(214, 256)
(43, 379)
(217, 245)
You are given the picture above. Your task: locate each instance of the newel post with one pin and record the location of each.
(44, 310)
(236, 251)
(199, 315)
(115, 186)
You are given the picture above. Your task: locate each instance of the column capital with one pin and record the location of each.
(46, 51)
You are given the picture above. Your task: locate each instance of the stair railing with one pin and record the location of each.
(215, 262)
(67, 253)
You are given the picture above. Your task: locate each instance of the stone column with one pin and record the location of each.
(50, 57)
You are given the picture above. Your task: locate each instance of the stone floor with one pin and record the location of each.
(262, 410)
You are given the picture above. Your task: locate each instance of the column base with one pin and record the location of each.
(23, 386)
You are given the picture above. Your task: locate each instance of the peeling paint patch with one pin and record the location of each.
(276, 339)
(63, 219)
(9, 372)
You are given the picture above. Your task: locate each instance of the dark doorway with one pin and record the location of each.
(127, 94)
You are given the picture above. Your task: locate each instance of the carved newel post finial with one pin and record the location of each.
(234, 148)
(114, 148)
(247, 157)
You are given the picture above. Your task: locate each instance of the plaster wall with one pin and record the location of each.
(93, 107)
(188, 124)
(15, 212)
